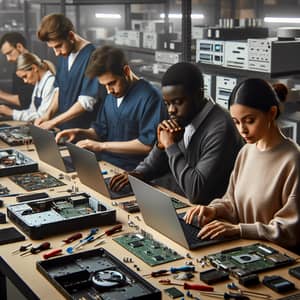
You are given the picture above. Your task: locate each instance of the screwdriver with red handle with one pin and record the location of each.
(37, 249)
(72, 238)
(188, 286)
(52, 253)
(108, 232)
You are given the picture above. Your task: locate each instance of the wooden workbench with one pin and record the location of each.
(22, 270)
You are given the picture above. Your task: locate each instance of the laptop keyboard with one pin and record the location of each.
(191, 231)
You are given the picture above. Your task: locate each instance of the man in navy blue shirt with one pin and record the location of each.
(74, 103)
(125, 129)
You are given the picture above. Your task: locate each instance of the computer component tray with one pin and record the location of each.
(16, 135)
(54, 215)
(79, 275)
(13, 162)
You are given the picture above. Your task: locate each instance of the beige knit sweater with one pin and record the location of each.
(263, 195)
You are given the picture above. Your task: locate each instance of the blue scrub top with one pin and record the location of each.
(73, 84)
(137, 117)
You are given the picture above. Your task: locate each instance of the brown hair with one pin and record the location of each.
(54, 27)
(106, 59)
(281, 91)
(26, 60)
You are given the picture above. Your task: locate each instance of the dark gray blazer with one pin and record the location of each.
(202, 170)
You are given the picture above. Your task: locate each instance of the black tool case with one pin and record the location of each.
(50, 216)
(74, 276)
(13, 161)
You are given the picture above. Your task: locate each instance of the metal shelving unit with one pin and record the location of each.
(139, 52)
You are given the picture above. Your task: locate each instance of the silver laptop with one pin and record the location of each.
(159, 213)
(90, 174)
(48, 151)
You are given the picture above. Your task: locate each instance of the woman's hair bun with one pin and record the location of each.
(281, 91)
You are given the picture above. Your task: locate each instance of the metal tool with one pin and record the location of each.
(93, 231)
(37, 249)
(22, 248)
(83, 242)
(226, 296)
(108, 232)
(164, 272)
(188, 286)
(72, 238)
(52, 253)
(158, 273)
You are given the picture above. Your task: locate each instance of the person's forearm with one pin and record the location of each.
(128, 147)
(154, 165)
(10, 98)
(53, 108)
(89, 133)
(74, 111)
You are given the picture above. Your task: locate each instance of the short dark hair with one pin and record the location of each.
(257, 93)
(106, 59)
(13, 38)
(185, 74)
(54, 27)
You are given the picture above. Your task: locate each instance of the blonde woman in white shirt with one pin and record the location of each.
(39, 73)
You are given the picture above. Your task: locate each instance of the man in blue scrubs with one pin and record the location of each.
(73, 104)
(125, 129)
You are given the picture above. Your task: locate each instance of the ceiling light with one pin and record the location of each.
(107, 16)
(179, 16)
(281, 20)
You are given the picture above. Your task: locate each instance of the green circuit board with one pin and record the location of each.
(36, 181)
(254, 258)
(143, 246)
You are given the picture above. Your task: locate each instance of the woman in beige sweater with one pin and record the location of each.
(263, 197)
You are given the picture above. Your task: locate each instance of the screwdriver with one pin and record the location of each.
(93, 231)
(37, 249)
(182, 269)
(82, 242)
(21, 249)
(108, 232)
(172, 270)
(188, 286)
(72, 238)
(226, 296)
(52, 253)
(158, 273)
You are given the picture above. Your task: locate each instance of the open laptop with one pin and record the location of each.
(48, 151)
(90, 174)
(159, 213)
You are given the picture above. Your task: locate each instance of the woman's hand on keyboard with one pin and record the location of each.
(204, 215)
(217, 229)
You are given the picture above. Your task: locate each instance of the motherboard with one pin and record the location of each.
(36, 181)
(13, 161)
(254, 258)
(49, 216)
(145, 247)
(16, 136)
